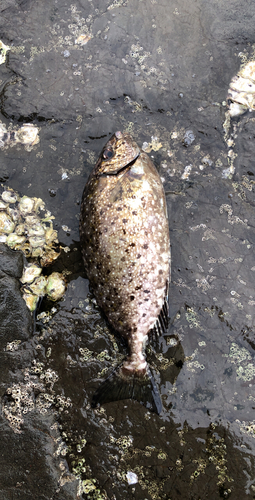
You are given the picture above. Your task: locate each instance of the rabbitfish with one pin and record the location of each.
(126, 250)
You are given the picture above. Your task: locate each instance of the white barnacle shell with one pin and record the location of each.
(51, 235)
(39, 205)
(3, 135)
(26, 205)
(3, 50)
(48, 257)
(248, 71)
(27, 134)
(32, 236)
(14, 239)
(30, 272)
(26, 249)
(56, 286)
(6, 223)
(3, 130)
(37, 252)
(3, 205)
(20, 229)
(14, 213)
(31, 300)
(31, 220)
(236, 109)
(36, 241)
(241, 84)
(38, 286)
(9, 196)
(36, 230)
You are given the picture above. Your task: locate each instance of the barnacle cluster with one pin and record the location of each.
(25, 225)
(22, 227)
(192, 318)
(154, 145)
(241, 93)
(241, 357)
(34, 392)
(13, 346)
(36, 285)
(247, 427)
(27, 135)
(143, 60)
(86, 354)
(123, 442)
(216, 451)
(142, 474)
(86, 486)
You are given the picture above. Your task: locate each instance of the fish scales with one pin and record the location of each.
(126, 250)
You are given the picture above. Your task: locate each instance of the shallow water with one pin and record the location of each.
(155, 69)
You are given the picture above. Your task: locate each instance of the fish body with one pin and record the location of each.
(126, 251)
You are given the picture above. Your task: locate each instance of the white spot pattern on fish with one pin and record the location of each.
(127, 257)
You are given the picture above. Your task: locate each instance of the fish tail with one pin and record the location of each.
(127, 383)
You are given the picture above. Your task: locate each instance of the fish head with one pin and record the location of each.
(118, 152)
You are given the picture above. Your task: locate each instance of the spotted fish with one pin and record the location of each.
(126, 250)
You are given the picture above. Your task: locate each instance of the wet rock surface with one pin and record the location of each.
(79, 71)
(15, 318)
(29, 468)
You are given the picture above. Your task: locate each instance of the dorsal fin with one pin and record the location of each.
(161, 323)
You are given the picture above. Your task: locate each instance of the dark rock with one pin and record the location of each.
(28, 468)
(16, 319)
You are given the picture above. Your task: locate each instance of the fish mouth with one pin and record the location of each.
(121, 169)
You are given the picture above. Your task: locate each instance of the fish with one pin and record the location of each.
(125, 244)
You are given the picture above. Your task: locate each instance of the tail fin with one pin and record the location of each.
(120, 386)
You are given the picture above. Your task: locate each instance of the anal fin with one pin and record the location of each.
(161, 323)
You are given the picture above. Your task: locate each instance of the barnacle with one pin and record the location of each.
(6, 223)
(9, 196)
(31, 300)
(3, 51)
(56, 286)
(14, 239)
(39, 285)
(30, 272)
(26, 205)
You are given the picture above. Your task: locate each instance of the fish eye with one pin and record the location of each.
(107, 154)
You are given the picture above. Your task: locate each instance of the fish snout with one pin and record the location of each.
(118, 134)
